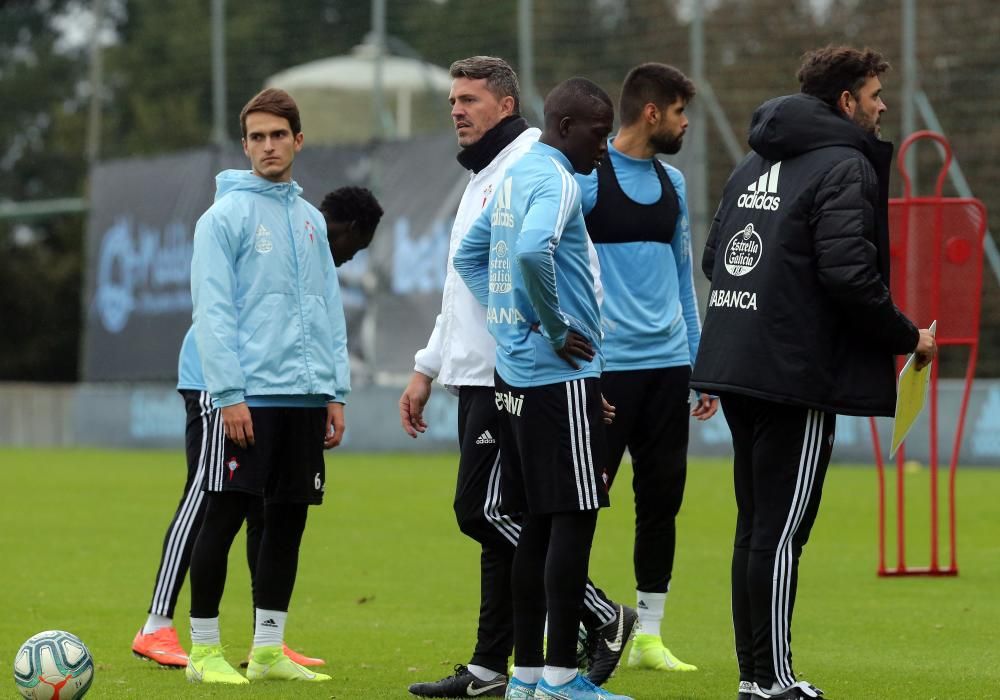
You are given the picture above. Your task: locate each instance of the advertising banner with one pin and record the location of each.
(139, 241)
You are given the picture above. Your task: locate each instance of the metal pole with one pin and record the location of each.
(526, 59)
(96, 84)
(219, 72)
(42, 208)
(707, 98)
(698, 176)
(378, 97)
(377, 151)
(910, 87)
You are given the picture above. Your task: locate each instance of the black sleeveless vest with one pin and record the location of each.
(615, 218)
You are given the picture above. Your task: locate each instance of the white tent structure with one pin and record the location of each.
(336, 96)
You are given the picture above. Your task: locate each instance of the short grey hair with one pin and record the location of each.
(501, 79)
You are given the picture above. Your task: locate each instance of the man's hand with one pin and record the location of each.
(607, 411)
(334, 425)
(926, 348)
(237, 423)
(412, 402)
(575, 346)
(706, 407)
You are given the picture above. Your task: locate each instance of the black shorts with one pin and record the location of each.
(284, 465)
(201, 440)
(552, 447)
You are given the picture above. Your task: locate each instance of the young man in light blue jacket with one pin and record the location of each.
(270, 329)
(352, 215)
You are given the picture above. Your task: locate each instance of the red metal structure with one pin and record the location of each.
(936, 248)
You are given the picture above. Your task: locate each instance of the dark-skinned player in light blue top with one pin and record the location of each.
(536, 227)
(526, 259)
(637, 217)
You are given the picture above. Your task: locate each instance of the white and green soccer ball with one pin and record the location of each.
(53, 664)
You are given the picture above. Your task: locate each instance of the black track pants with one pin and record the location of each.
(652, 414)
(781, 456)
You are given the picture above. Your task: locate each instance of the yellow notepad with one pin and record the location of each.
(911, 394)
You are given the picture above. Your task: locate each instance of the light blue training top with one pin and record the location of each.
(526, 259)
(650, 311)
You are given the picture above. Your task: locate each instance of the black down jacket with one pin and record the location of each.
(798, 257)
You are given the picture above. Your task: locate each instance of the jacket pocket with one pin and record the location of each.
(267, 340)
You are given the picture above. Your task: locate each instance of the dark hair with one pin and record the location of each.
(655, 83)
(273, 101)
(825, 73)
(572, 97)
(353, 204)
(501, 80)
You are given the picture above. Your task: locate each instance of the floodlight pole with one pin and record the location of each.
(378, 83)
(698, 193)
(910, 86)
(219, 72)
(526, 58)
(96, 81)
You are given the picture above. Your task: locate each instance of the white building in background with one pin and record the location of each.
(336, 96)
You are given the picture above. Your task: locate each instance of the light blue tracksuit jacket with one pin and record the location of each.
(268, 318)
(189, 374)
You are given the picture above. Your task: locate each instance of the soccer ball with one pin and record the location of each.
(52, 665)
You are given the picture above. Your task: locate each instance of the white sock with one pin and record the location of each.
(156, 622)
(205, 630)
(483, 673)
(528, 674)
(558, 675)
(650, 609)
(269, 628)
(778, 690)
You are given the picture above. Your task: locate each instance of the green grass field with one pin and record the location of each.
(388, 588)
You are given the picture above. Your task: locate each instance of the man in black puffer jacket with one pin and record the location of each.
(800, 326)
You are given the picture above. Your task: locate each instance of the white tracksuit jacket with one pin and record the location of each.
(460, 351)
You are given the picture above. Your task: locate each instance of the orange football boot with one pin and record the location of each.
(300, 659)
(161, 646)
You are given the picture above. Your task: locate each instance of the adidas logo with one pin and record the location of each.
(485, 439)
(642, 605)
(502, 215)
(762, 194)
(263, 242)
(269, 622)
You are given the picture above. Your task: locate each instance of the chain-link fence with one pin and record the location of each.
(156, 92)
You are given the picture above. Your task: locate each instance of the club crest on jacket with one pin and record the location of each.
(743, 251)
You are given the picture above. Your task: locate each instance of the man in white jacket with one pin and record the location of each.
(461, 355)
